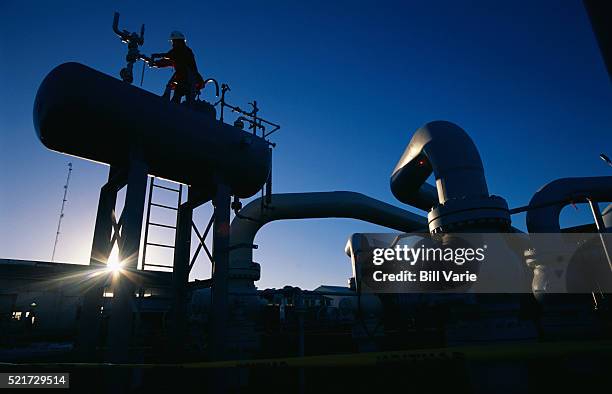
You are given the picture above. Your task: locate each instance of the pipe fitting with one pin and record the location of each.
(462, 194)
(490, 213)
(249, 271)
(446, 150)
(337, 204)
(547, 203)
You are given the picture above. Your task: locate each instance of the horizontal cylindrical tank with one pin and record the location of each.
(85, 113)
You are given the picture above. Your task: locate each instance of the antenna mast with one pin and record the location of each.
(61, 216)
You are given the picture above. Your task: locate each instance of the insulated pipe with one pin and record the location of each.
(424, 198)
(339, 204)
(552, 254)
(463, 202)
(547, 203)
(446, 150)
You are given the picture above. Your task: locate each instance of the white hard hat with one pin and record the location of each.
(177, 35)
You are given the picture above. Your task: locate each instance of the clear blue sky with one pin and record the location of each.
(349, 82)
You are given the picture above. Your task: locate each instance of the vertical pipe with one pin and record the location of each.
(269, 185)
(220, 279)
(220, 275)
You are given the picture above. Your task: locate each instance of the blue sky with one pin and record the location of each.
(349, 82)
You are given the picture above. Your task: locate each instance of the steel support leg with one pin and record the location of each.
(180, 274)
(89, 320)
(121, 322)
(182, 260)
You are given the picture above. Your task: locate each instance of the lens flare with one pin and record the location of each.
(113, 264)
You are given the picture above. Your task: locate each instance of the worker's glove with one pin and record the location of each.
(162, 63)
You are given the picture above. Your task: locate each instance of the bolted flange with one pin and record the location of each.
(461, 214)
(252, 272)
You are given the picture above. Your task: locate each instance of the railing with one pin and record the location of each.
(135, 40)
(255, 122)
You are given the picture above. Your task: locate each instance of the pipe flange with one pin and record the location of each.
(459, 214)
(251, 273)
(497, 224)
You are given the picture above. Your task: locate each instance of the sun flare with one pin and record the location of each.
(113, 264)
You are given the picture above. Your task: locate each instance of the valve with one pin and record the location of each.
(133, 41)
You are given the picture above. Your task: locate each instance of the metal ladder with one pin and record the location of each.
(149, 223)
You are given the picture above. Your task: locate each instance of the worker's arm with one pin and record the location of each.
(167, 55)
(161, 63)
(162, 59)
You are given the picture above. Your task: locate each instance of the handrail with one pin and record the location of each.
(251, 117)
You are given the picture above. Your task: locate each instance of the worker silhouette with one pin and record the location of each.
(186, 80)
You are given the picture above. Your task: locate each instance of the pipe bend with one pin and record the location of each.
(446, 150)
(547, 203)
(337, 204)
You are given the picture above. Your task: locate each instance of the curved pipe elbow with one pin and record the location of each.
(214, 81)
(546, 204)
(338, 204)
(425, 197)
(446, 150)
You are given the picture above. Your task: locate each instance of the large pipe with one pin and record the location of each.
(463, 200)
(339, 204)
(546, 204)
(424, 198)
(448, 151)
(552, 254)
(83, 112)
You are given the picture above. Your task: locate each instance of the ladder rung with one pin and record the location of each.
(166, 187)
(164, 206)
(157, 265)
(161, 245)
(161, 225)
